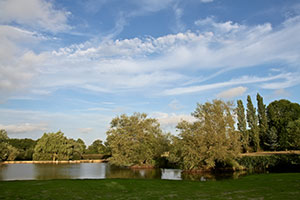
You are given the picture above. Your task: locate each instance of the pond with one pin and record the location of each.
(98, 171)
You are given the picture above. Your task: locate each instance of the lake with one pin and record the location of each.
(98, 171)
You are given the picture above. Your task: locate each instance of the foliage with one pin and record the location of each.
(82, 145)
(7, 152)
(77, 149)
(3, 135)
(24, 146)
(242, 126)
(262, 120)
(271, 139)
(273, 162)
(253, 124)
(135, 140)
(97, 147)
(284, 117)
(54, 146)
(210, 140)
(293, 130)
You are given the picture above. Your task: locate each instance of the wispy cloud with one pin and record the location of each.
(233, 92)
(232, 82)
(24, 128)
(85, 130)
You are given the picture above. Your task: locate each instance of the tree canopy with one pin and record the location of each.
(252, 120)
(7, 152)
(209, 141)
(135, 140)
(284, 116)
(55, 146)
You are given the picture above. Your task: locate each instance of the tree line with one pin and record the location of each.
(51, 146)
(215, 139)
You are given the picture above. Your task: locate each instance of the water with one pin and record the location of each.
(97, 171)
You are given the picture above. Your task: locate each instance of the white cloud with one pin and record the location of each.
(169, 61)
(233, 92)
(34, 13)
(23, 128)
(291, 79)
(175, 105)
(85, 130)
(232, 82)
(206, 1)
(281, 93)
(170, 121)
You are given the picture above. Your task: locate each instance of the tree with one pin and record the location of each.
(253, 124)
(293, 130)
(82, 145)
(262, 120)
(3, 136)
(25, 147)
(97, 148)
(242, 126)
(77, 149)
(53, 146)
(7, 152)
(283, 116)
(271, 139)
(209, 141)
(135, 140)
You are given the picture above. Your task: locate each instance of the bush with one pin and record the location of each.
(283, 162)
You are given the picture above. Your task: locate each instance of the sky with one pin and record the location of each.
(74, 65)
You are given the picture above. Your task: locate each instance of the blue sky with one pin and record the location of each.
(74, 65)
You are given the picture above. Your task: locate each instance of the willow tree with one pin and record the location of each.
(7, 152)
(135, 140)
(253, 124)
(262, 120)
(242, 125)
(211, 140)
(53, 146)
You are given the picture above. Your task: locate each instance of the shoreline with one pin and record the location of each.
(53, 162)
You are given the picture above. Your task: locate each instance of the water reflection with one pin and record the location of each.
(99, 171)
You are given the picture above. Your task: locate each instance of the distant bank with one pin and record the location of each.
(54, 162)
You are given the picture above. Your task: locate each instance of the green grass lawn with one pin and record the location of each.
(265, 186)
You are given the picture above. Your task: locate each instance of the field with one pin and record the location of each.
(263, 186)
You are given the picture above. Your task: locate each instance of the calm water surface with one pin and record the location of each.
(97, 171)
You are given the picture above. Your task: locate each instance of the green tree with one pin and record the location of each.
(253, 124)
(209, 141)
(242, 126)
(82, 145)
(97, 147)
(293, 130)
(271, 139)
(3, 136)
(7, 152)
(135, 140)
(53, 146)
(283, 116)
(77, 149)
(25, 147)
(262, 120)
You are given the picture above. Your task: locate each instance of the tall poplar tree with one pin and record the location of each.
(242, 126)
(262, 120)
(253, 124)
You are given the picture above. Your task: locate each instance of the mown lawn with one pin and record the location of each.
(264, 186)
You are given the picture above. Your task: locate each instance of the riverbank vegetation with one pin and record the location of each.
(217, 138)
(262, 186)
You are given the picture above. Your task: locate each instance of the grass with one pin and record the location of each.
(263, 186)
